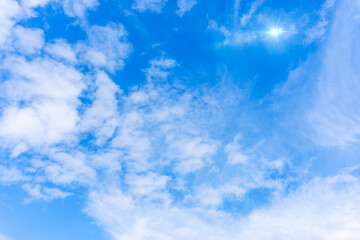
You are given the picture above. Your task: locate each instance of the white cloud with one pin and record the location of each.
(43, 123)
(34, 3)
(243, 38)
(318, 31)
(9, 10)
(20, 124)
(235, 154)
(107, 47)
(11, 175)
(322, 209)
(77, 8)
(207, 196)
(125, 220)
(152, 5)
(192, 153)
(166, 113)
(108, 159)
(155, 126)
(157, 121)
(66, 168)
(18, 149)
(42, 100)
(235, 36)
(185, 6)
(133, 140)
(28, 40)
(164, 63)
(28, 6)
(236, 10)
(326, 91)
(151, 185)
(102, 117)
(33, 76)
(334, 115)
(253, 8)
(61, 50)
(44, 193)
(159, 69)
(220, 29)
(139, 97)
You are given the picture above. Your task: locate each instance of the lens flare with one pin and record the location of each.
(275, 32)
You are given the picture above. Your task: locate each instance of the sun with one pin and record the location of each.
(275, 32)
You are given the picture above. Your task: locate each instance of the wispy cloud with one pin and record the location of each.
(149, 5)
(11, 175)
(101, 117)
(306, 213)
(235, 36)
(38, 192)
(107, 47)
(235, 153)
(246, 17)
(2, 237)
(185, 6)
(78, 8)
(331, 112)
(191, 153)
(319, 29)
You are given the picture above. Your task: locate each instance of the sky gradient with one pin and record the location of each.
(179, 119)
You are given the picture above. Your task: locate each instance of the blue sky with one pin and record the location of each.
(179, 119)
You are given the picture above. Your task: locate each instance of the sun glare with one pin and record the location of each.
(275, 31)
